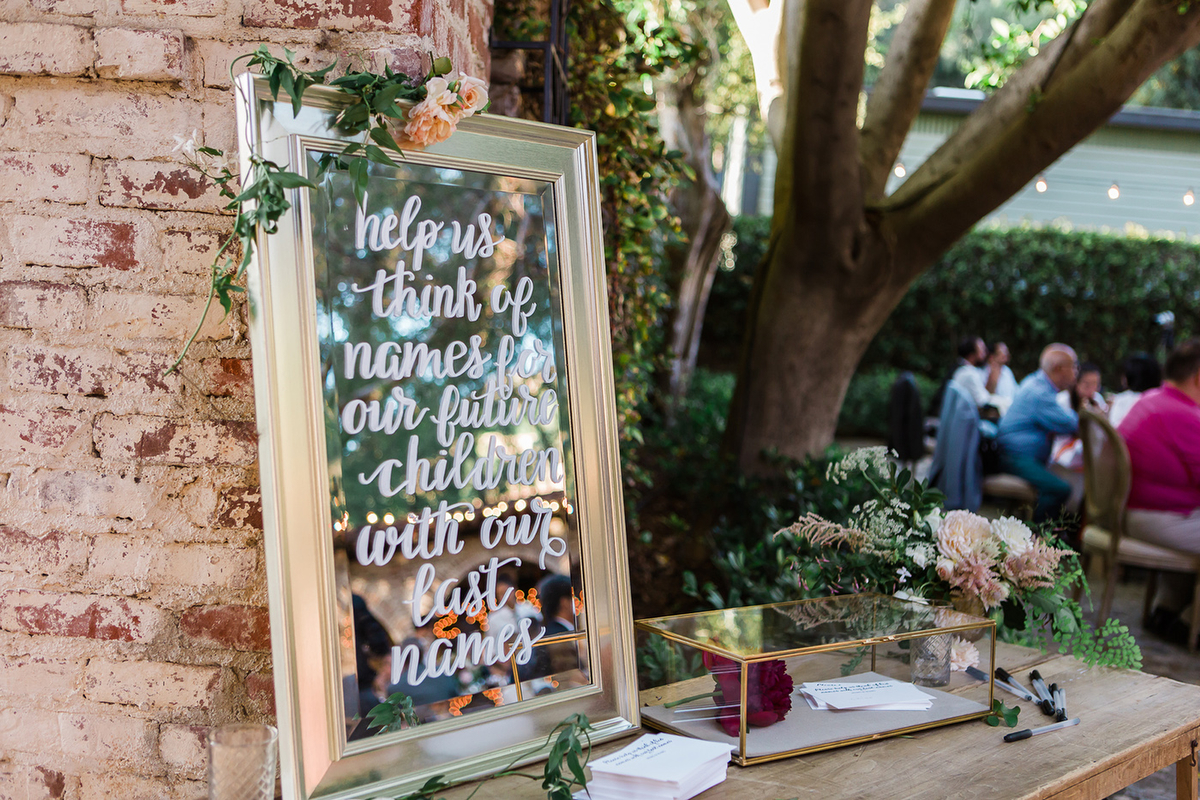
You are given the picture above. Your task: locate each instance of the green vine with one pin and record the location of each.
(561, 777)
(372, 103)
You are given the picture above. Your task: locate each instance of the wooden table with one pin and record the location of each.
(1132, 725)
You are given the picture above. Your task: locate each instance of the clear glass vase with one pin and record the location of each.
(930, 657)
(241, 762)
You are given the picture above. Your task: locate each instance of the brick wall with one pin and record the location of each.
(132, 588)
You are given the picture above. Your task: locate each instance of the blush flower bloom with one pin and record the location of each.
(768, 692)
(963, 533)
(963, 654)
(1013, 534)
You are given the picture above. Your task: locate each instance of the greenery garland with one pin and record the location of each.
(372, 103)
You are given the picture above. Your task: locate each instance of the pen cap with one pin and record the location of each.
(1017, 736)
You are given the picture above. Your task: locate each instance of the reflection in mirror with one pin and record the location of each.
(452, 491)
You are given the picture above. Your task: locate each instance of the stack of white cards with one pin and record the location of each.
(885, 695)
(658, 767)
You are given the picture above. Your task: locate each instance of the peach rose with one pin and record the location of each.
(429, 121)
(473, 92)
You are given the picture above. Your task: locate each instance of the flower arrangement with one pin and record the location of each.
(373, 111)
(447, 102)
(900, 541)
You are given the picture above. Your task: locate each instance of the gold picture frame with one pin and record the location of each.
(319, 323)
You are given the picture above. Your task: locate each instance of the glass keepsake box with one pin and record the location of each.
(788, 678)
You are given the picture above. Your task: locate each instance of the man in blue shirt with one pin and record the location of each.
(1029, 428)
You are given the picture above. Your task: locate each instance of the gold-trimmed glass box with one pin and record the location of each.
(736, 675)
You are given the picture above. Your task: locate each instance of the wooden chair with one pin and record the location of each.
(1106, 475)
(1012, 492)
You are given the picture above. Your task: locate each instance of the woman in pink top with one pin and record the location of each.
(1163, 434)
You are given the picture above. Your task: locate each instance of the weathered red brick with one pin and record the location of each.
(110, 740)
(228, 627)
(240, 507)
(260, 691)
(400, 59)
(204, 565)
(171, 8)
(131, 315)
(423, 14)
(158, 185)
(217, 57)
(477, 29)
(150, 684)
(97, 119)
(29, 675)
(57, 177)
(37, 431)
(349, 15)
(184, 748)
(228, 377)
(31, 783)
(40, 555)
(94, 617)
(34, 48)
(156, 440)
(94, 372)
(68, 8)
(155, 55)
(93, 494)
(75, 242)
(29, 730)
(42, 305)
(193, 251)
(19, 782)
(114, 784)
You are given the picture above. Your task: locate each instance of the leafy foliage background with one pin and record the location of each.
(1099, 292)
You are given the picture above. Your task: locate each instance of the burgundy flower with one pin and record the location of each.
(768, 692)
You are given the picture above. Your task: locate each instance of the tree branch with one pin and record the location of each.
(818, 164)
(1010, 102)
(1075, 103)
(896, 98)
(759, 25)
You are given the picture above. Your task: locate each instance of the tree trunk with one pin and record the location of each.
(704, 221)
(808, 330)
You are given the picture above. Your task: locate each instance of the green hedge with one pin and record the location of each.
(865, 409)
(1098, 292)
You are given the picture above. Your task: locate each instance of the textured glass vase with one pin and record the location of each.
(931, 660)
(241, 762)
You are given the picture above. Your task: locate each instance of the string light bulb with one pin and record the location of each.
(1189, 197)
(1041, 185)
(899, 170)
(1114, 191)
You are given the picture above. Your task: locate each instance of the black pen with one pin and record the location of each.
(1039, 686)
(1060, 700)
(1009, 683)
(1017, 736)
